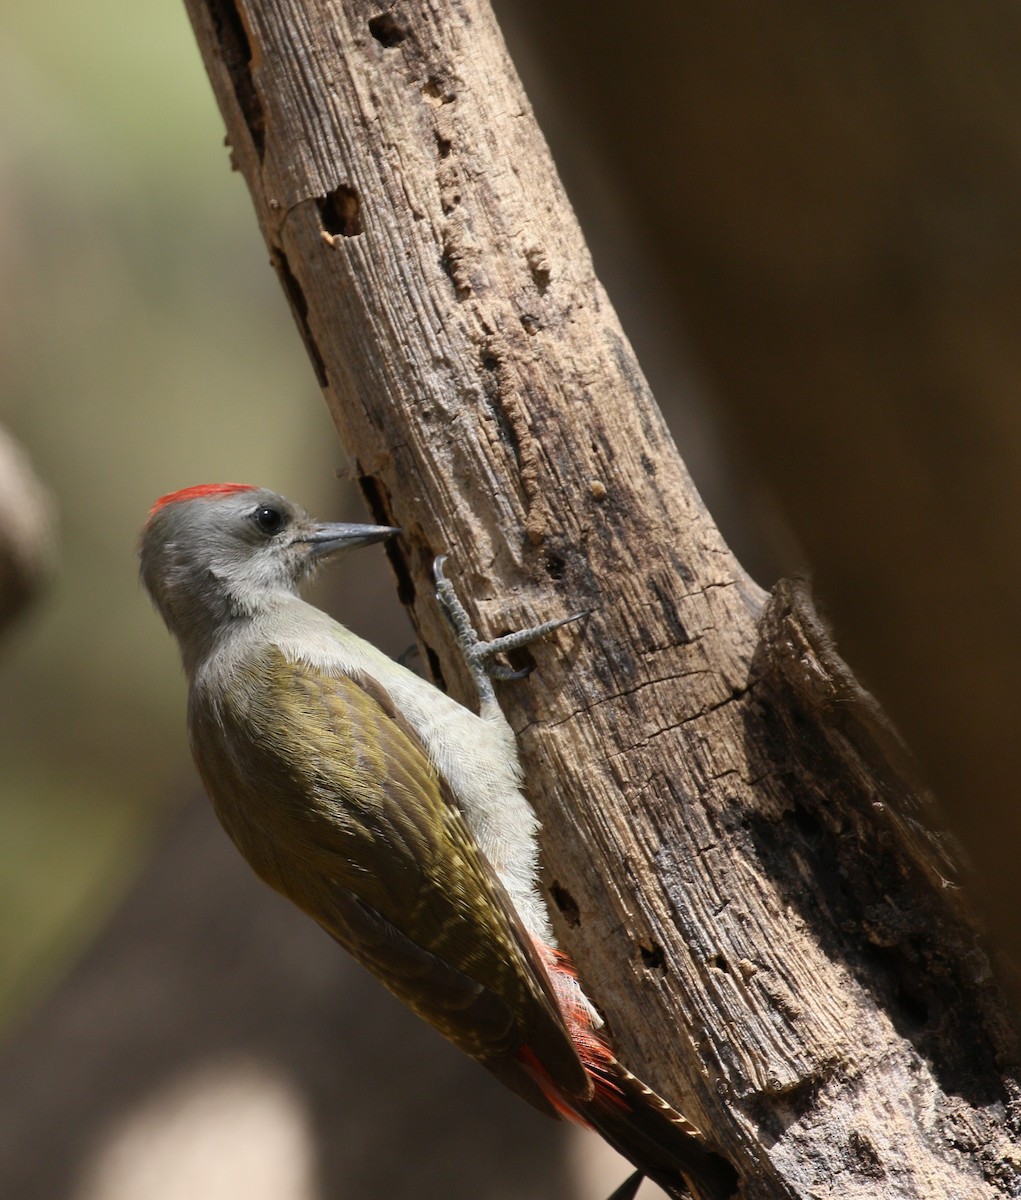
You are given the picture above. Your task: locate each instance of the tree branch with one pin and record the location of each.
(715, 803)
(835, 208)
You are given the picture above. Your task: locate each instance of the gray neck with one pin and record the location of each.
(205, 619)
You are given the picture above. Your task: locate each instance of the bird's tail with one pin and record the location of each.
(664, 1145)
(657, 1139)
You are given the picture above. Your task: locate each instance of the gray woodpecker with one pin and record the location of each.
(390, 813)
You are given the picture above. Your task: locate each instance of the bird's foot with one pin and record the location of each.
(478, 654)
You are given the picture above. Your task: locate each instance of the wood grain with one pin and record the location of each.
(729, 839)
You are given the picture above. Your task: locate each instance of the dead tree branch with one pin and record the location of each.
(730, 844)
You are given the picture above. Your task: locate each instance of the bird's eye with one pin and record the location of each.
(269, 520)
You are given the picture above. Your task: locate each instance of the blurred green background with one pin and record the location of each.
(145, 345)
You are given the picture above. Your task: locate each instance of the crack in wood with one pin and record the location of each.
(299, 310)
(235, 48)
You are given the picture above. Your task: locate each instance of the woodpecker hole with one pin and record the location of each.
(653, 958)
(377, 501)
(566, 904)
(443, 146)
(385, 29)
(520, 659)
(340, 212)
(236, 53)
(556, 565)
(719, 963)
(405, 584)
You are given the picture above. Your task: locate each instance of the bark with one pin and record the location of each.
(835, 206)
(731, 835)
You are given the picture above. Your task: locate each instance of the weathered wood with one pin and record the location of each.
(712, 831)
(835, 206)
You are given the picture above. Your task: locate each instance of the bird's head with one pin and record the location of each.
(219, 552)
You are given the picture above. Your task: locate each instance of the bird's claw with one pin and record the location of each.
(477, 653)
(505, 674)
(629, 1188)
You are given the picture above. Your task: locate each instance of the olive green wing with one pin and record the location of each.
(331, 797)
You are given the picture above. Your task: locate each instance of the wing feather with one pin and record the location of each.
(315, 776)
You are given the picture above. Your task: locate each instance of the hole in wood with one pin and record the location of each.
(377, 500)
(566, 904)
(556, 565)
(236, 52)
(385, 29)
(340, 212)
(653, 958)
(912, 1006)
(520, 659)
(434, 93)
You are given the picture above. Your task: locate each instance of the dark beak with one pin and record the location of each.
(329, 539)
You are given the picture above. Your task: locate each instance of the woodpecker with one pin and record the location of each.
(391, 814)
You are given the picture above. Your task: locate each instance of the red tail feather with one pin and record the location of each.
(636, 1121)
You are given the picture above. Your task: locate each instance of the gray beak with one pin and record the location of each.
(329, 539)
